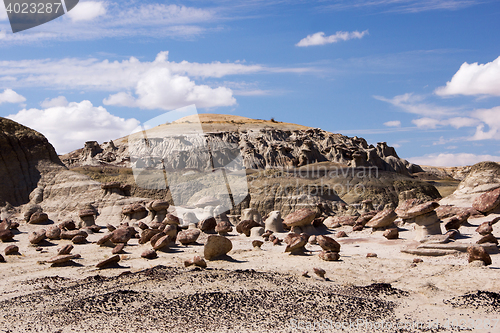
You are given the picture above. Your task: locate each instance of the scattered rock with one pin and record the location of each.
(67, 225)
(110, 227)
(391, 233)
(163, 242)
(156, 238)
(256, 232)
(217, 246)
(197, 261)
(299, 218)
(207, 225)
(104, 240)
(244, 227)
(38, 218)
(171, 219)
(6, 235)
(305, 274)
(61, 259)
(341, 234)
(53, 232)
(79, 239)
(312, 240)
(36, 237)
(383, 219)
(66, 249)
(147, 235)
(484, 229)
(121, 235)
(11, 249)
(329, 256)
(328, 243)
(488, 201)
(223, 227)
(118, 249)
(488, 238)
(417, 260)
(257, 243)
(274, 222)
(73, 233)
(186, 237)
(319, 272)
(478, 253)
(108, 262)
(142, 226)
(149, 254)
(371, 255)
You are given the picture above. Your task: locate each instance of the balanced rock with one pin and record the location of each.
(274, 222)
(149, 254)
(108, 262)
(223, 227)
(217, 246)
(427, 225)
(188, 236)
(299, 218)
(478, 253)
(36, 237)
(391, 233)
(329, 256)
(11, 249)
(383, 219)
(488, 201)
(484, 229)
(6, 235)
(328, 243)
(421, 209)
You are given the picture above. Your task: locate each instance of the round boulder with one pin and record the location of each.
(216, 246)
(299, 218)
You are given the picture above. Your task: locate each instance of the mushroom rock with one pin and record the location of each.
(157, 210)
(87, 217)
(135, 211)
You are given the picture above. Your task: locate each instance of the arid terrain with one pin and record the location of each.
(85, 248)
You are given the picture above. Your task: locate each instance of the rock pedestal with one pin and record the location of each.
(427, 225)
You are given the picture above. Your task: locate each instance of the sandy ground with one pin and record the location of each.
(34, 295)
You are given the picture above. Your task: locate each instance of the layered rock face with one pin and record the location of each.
(24, 156)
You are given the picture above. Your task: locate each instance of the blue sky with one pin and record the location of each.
(423, 76)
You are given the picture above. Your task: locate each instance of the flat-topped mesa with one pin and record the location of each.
(262, 144)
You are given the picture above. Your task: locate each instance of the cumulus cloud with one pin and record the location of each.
(490, 119)
(393, 123)
(68, 127)
(412, 103)
(450, 160)
(86, 11)
(10, 96)
(159, 89)
(319, 38)
(474, 79)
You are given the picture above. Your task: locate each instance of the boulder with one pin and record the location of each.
(72, 233)
(329, 256)
(38, 218)
(67, 225)
(328, 243)
(118, 249)
(312, 240)
(53, 232)
(66, 249)
(274, 222)
(63, 258)
(257, 243)
(488, 238)
(147, 234)
(427, 225)
(295, 243)
(171, 230)
(197, 261)
(11, 249)
(79, 239)
(29, 210)
(256, 232)
(110, 227)
(121, 235)
(36, 237)
(5, 225)
(421, 209)
(455, 222)
(149, 254)
(216, 246)
(105, 240)
(299, 218)
(484, 229)
(163, 242)
(478, 253)
(171, 219)
(245, 226)
(142, 225)
(108, 262)
(391, 233)
(251, 214)
(331, 222)
(6, 235)
(488, 201)
(207, 225)
(186, 237)
(156, 238)
(383, 219)
(223, 227)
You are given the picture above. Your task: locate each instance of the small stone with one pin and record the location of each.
(110, 227)
(328, 243)
(358, 227)
(257, 243)
(329, 256)
(371, 255)
(489, 238)
(147, 235)
(245, 227)
(6, 235)
(118, 249)
(38, 218)
(156, 238)
(11, 249)
(319, 272)
(277, 241)
(39, 249)
(1, 258)
(121, 235)
(256, 232)
(163, 242)
(207, 225)
(189, 236)
(104, 239)
(341, 234)
(108, 262)
(305, 274)
(223, 227)
(36, 237)
(67, 225)
(383, 219)
(216, 246)
(312, 240)
(171, 219)
(61, 259)
(72, 233)
(149, 254)
(79, 239)
(484, 229)
(301, 217)
(53, 232)
(417, 260)
(478, 253)
(66, 249)
(197, 261)
(143, 226)
(391, 233)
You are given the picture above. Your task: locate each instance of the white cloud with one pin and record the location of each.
(319, 38)
(3, 13)
(393, 123)
(86, 11)
(426, 122)
(449, 160)
(10, 96)
(474, 79)
(456, 122)
(491, 119)
(68, 127)
(58, 101)
(402, 6)
(159, 89)
(413, 104)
